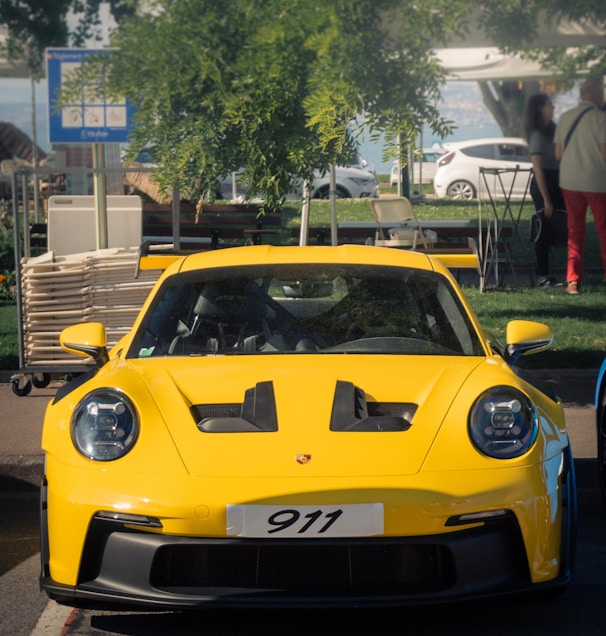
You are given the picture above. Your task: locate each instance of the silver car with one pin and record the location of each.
(350, 183)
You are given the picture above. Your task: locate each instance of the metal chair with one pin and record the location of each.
(397, 224)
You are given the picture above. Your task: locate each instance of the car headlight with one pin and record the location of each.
(361, 181)
(104, 425)
(503, 423)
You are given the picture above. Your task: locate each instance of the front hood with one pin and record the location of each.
(336, 415)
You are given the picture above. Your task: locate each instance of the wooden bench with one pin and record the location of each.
(451, 235)
(216, 224)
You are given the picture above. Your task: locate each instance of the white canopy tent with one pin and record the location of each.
(488, 64)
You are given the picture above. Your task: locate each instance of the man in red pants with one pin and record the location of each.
(580, 140)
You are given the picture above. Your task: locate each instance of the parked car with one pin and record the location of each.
(304, 426)
(458, 171)
(362, 163)
(355, 181)
(423, 168)
(350, 183)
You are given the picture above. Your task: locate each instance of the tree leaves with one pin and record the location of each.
(275, 87)
(34, 25)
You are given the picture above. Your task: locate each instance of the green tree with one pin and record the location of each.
(507, 99)
(34, 25)
(274, 86)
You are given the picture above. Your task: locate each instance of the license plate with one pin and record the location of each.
(305, 522)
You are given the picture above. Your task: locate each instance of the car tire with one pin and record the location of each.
(461, 190)
(570, 513)
(324, 193)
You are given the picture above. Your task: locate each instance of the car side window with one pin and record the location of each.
(483, 151)
(512, 152)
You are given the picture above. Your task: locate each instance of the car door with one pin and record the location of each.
(482, 155)
(512, 156)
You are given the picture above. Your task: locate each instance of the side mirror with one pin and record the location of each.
(86, 339)
(525, 336)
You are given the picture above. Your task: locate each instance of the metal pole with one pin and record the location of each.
(420, 163)
(24, 190)
(35, 153)
(176, 210)
(304, 215)
(334, 235)
(399, 188)
(99, 179)
(17, 241)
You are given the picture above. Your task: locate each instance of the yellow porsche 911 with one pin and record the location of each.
(305, 426)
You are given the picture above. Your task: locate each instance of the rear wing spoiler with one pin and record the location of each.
(157, 256)
(458, 257)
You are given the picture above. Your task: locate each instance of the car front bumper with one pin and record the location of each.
(123, 567)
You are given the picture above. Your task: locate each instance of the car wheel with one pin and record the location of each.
(461, 190)
(570, 513)
(324, 193)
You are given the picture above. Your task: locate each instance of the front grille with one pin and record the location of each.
(341, 568)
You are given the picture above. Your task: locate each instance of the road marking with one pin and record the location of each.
(54, 620)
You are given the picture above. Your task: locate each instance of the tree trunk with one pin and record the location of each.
(506, 101)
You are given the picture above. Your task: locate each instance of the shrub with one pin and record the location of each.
(8, 286)
(7, 249)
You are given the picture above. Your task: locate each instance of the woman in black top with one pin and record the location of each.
(539, 129)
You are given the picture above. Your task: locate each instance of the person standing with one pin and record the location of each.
(539, 129)
(580, 140)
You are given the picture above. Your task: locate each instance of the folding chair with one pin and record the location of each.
(397, 224)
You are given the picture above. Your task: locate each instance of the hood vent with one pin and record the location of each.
(255, 415)
(351, 412)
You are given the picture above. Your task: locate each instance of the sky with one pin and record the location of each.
(18, 91)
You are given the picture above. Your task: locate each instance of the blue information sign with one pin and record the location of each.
(91, 119)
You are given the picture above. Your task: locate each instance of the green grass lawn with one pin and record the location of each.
(578, 322)
(9, 341)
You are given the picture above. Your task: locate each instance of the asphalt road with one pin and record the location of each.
(24, 610)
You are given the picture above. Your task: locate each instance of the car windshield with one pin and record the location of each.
(306, 309)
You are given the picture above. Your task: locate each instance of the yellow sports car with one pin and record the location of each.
(290, 426)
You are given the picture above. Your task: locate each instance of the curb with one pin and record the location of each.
(20, 475)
